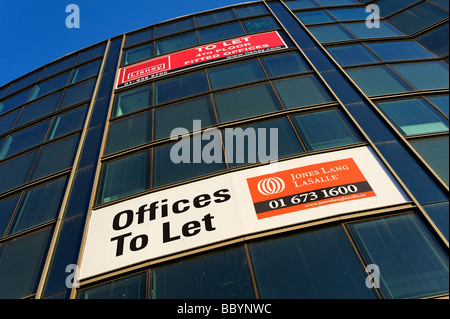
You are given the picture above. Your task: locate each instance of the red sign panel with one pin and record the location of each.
(214, 52)
(307, 187)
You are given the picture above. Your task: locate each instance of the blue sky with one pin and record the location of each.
(34, 32)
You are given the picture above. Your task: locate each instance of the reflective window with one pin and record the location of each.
(336, 2)
(436, 152)
(399, 50)
(64, 150)
(7, 121)
(314, 264)
(378, 80)
(439, 215)
(310, 17)
(331, 33)
(28, 80)
(352, 54)
(414, 116)
(173, 27)
(182, 115)
(15, 171)
(133, 287)
(237, 73)
(426, 75)
(259, 144)
(122, 177)
(129, 132)
(78, 93)
(435, 40)
(440, 101)
(139, 37)
(24, 139)
(302, 91)
(216, 17)
(132, 100)
(13, 102)
(59, 66)
(248, 11)
(415, 254)
(220, 32)
(350, 14)
(300, 4)
(21, 263)
(175, 162)
(50, 85)
(7, 207)
(176, 43)
(388, 7)
(91, 53)
(38, 205)
(68, 122)
(363, 32)
(139, 53)
(284, 64)
(246, 102)
(181, 86)
(39, 108)
(86, 71)
(418, 17)
(221, 275)
(260, 25)
(325, 129)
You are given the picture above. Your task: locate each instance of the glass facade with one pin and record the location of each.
(72, 142)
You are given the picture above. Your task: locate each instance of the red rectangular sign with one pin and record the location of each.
(308, 187)
(213, 52)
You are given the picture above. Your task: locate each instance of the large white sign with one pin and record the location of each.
(236, 204)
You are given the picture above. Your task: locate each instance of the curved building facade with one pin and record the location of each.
(271, 149)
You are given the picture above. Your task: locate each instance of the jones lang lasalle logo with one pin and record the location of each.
(301, 188)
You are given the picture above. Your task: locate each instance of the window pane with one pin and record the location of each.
(176, 43)
(350, 14)
(182, 115)
(439, 215)
(258, 144)
(28, 80)
(181, 86)
(441, 102)
(248, 11)
(285, 64)
(21, 263)
(316, 264)
(216, 17)
(221, 275)
(302, 91)
(78, 93)
(221, 32)
(13, 102)
(237, 73)
(137, 54)
(38, 205)
(7, 121)
(173, 27)
(133, 287)
(336, 2)
(435, 151)
(68, 122)
(139, 37)
(15, 171)
(426, 75)
(86, 71)
(363, 32)
(411, 262)
(260, 25)
(300, 4)
(378, 80)
(310, 17)
(388, 7)
(7, 207)
(435, 40)
(414, 117)
(24, 139)
(175, 162)
(91, 53)
(133, 100)
(123, 177)
(39, 108)
(418, 17)
(129, 132)
(325, 129)
(50, 86)
(64, 150)
(59, 66)
(331, 33)
(399, 50)
(246, 102)
(352, 54)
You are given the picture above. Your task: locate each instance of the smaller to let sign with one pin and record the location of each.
(214, 52)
